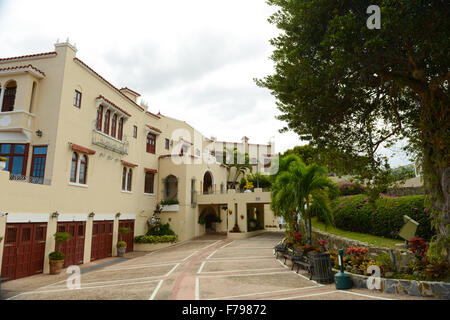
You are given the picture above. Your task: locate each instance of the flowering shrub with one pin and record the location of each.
(357, 251)
(322, 244)
(418, 247)
(350, 188)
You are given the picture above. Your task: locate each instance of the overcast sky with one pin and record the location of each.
(192, 60)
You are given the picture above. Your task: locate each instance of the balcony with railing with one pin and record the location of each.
(18, 121)
(105, 141)
(29, 179)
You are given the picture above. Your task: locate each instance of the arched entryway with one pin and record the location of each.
(207, 183)
(210, 216)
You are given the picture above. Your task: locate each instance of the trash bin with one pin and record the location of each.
(323, 272)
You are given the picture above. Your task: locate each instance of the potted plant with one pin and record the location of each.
(122, 245)
(57, 257)
(121, 248)
(201, 220)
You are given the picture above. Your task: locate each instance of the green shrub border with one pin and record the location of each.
(354, 213)
(155, 239)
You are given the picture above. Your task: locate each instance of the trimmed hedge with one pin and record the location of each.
(350, 188)
(354, 213)
(155, 239)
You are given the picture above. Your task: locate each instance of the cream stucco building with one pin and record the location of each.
(85, 157)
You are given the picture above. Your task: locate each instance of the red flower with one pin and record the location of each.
(297, 236)
(322, 243)
(357, 251)
(418, 246)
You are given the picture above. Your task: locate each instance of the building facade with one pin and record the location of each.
(83, 156)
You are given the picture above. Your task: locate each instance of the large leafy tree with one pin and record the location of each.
(346, 87)
(300, 191)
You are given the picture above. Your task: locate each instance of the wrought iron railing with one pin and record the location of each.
(107, 142)
(35, 180)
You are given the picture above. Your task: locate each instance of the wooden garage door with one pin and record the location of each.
(24, 250)
(74, 248)
(102, 236)
(128, 238)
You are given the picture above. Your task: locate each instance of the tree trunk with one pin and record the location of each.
(436, 165)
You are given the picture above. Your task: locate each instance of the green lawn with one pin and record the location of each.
(375, 240)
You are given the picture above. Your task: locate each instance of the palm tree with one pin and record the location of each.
(241, 168)
(302, 191)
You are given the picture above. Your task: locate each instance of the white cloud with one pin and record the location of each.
(193, 60)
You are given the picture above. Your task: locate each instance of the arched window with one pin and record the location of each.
(107, 118)
(98, 125)
(73, 169)
(129, 179)
(114, 125)
(124, 179)
(9, 96)
(151, 143)
(83, 170)
(120, 132)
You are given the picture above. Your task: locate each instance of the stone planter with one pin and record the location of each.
(56, 266)
(433, 289)
(121, 251)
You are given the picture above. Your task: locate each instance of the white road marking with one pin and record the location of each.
(190, 255)
(172, 270)
(82, 288)
(156, 290)
(197, 289)
(262, 293)
(242, 270)
(86, 284)
(245, 275)
(227, 244)
(207, 258)
(246, 258)
(137, 266)
(201, 267)
(309, 295)
(210, 245)
(365, 295)
(235, 248)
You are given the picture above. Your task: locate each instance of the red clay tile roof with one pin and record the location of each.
(115, 88)
(128, 164)
(22, 67)
(102, 97)
(28, 56)
(151, 170)
(153, 128)
(131, 91)
(152, 114)
(79, 148)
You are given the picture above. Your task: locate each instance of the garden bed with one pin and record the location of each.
(432, 289)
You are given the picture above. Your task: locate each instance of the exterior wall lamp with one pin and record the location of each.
(39, 133)
(55, 214)
(91, 215)
(118, 215)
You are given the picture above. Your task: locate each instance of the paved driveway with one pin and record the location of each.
(208, 268)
